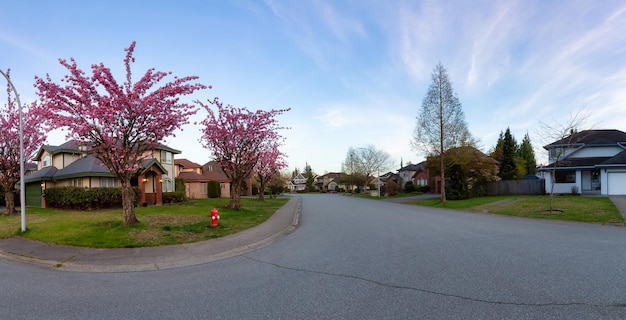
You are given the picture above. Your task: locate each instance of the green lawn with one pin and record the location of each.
(159, 225)
(576, 208)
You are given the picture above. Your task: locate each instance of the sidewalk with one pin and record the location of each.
(78, 259)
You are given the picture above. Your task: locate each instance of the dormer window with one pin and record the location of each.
(46, 161)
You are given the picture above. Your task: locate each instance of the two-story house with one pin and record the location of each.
(298, 183)
(197, 177)
(415, 173)
(589, 162)
(71, 164)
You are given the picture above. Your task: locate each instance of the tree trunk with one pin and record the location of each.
(9, 199)
(235, 194)
(262, 184)
(128, 203)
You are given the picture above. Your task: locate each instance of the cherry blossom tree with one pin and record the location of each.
(34, 132)
(236, 137)
(270, 163)
(119, 123)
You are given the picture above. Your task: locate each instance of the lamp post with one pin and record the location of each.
(22, 184)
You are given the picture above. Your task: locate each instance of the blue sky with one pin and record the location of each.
(353, 72)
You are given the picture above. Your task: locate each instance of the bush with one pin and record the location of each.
(391, 188)
(214, 189)
(422, 189)
(84, 198)
(409, 187)
(456, 186)
(174, 197)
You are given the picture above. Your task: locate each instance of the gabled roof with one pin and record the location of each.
(186, 163)
(70, 146)
(330, 175)
(204, 177)
(412, 167)
(149, 163)
(591, 137)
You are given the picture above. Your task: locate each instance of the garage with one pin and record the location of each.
(616, 183)
(33, 195)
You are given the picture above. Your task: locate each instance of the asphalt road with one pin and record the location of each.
(360, 259)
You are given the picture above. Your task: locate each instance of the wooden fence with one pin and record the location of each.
(515, 187)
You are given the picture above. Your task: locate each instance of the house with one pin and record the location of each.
(196, 178)
(328, 181)
(415, 173)
(71, 164)
(589, 162)
(298, 183)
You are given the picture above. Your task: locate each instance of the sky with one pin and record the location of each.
(353, 72)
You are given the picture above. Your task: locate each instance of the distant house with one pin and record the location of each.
(197, 177)
(330, 182)
(71, 164)
(298, 183)
(589, 162)
(415, 173)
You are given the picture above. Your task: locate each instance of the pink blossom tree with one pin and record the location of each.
(34, 132)
(235, 137)
(119, 123)
(270, 163)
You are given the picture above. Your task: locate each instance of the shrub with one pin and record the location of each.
(174, 197)
(422, 189)
(409, 187)
(214, 189)
(84, 198)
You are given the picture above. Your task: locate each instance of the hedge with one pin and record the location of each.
(85, 198)
(214, 189)
(174, 197)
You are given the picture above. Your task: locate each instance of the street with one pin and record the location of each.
(355, 258)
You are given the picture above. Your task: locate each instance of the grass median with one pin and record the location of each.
(566, 207)
(159, 225)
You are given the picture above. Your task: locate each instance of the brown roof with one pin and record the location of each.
(204, 177)
(186, 163)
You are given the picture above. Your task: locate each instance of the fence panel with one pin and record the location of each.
(516, 187)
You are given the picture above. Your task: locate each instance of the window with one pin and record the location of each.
(109, 182)
(167, 185)
(565, 176)
(46, 161)
(204, 188)
(166, 157)
(78, 182)
(222, 185)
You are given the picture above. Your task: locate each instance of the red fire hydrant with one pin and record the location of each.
(214, 217)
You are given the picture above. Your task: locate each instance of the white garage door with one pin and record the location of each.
(616, 183)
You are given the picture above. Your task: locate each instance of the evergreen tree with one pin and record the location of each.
(508, 168)
(527, 153)
(497, 151)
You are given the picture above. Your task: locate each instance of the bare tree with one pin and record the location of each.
(372, 160)
(560, 138)
(441, 123)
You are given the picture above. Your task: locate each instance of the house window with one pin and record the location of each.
(167, 185)
(222, 185)
(166, 157)
(565, 176)
(46, 161)
(78, 182)
(109, 182)
(204, 188)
